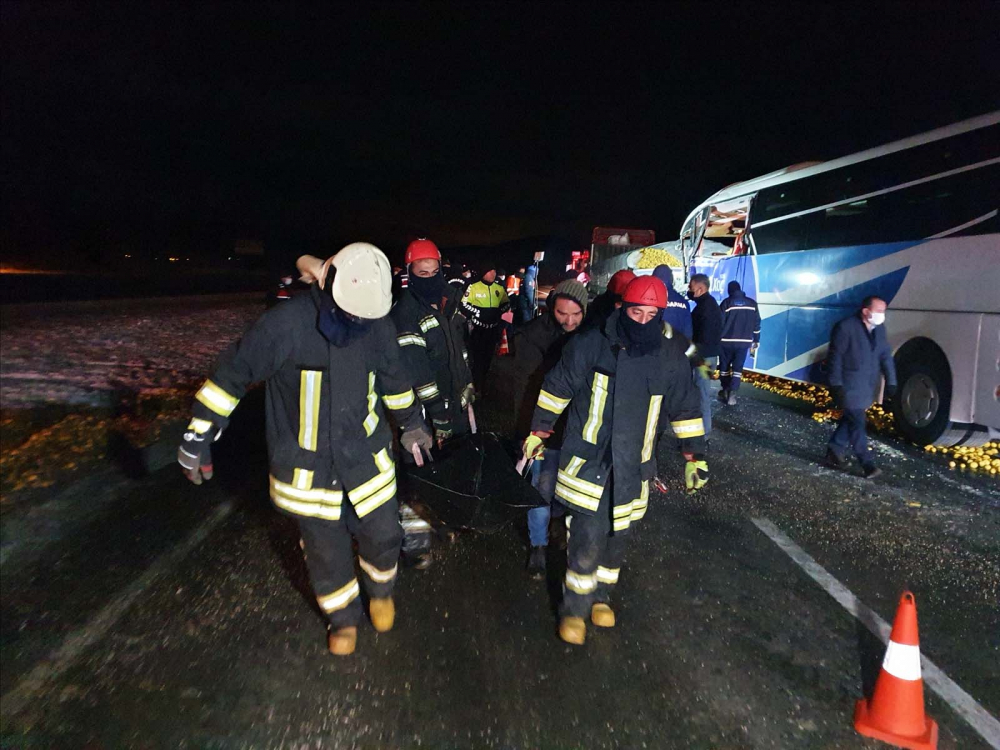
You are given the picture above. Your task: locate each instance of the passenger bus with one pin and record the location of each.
(914, 222)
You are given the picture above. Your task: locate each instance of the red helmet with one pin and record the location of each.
(620, 280)
(646, 290)
(422, 250)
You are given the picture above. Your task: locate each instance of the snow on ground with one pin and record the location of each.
(96, 353)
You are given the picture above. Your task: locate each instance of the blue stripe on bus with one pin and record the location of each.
(781, 271)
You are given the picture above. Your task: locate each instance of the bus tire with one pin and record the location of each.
(923, 401)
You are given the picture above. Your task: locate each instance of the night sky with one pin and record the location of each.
(150, 125)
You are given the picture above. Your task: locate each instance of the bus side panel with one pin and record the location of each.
(986, 409)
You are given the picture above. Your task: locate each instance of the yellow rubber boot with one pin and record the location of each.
(383, 614)
(342, 642)
(602, 616)
(573, 630)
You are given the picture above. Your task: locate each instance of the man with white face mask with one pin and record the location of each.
(859, 352)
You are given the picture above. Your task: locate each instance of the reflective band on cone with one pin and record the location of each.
(895, 712)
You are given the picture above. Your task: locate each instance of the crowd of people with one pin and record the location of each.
(372, 368)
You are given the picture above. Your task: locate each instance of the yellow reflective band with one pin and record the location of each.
(607, 575)
(621, 510)
(552, 403)
(399, 400)
(598, 397)
(383, 461)
(216, 399)
(576, 498)
(581, 485)
(302, 479)
(651, 421)
(375, 501)
(688, 428)
(310, 382)
(316, 503)
(428, 323)
(412, 339)
(199, 426)
(340, 598)
(373, 485)
(621, 524)
(379, 576)
(371, 421)
(580, 583)
(429, 391)
(573, 467)
(668, 331)
(640, 504)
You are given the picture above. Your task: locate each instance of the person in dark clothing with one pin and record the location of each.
(859, 351)
(528, 294)
(613, 383)
(706, 324)
(740, 335)
(606, 303)
(537, 348)
(677, 314)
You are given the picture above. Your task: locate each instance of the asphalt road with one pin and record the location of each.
(182, 616)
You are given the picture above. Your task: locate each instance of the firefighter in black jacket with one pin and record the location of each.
(430, 329)
(614, 382)
(327, 360)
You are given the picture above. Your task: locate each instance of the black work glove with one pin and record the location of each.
(195, 453)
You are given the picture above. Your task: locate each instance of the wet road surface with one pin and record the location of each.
(722, 641)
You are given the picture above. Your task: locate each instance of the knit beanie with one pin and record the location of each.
(571, 289)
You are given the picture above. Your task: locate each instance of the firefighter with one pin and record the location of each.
(483, 303)
(327, 359)
(606, 303)
(430, 329)
(740, 335)
(614, 381)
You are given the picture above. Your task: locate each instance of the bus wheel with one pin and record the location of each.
(923, 404)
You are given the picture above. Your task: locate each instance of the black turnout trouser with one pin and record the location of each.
(482, 347)
(594, 557)
(330, 559)
(732, 357)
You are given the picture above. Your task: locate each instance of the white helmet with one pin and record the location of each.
(363, 281)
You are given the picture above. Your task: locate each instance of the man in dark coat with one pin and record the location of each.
(706, 322)
(537, 348)
(677, 314)
(859, 351)
(740, 335)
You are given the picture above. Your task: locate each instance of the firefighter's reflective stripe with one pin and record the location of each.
(377, 490)
(371, 421)
(340, 598)
(399, 400)
(552, 403)
(639, 505)
(686, 428)
(302, 479)
(607, 575)
(621, 517)
(581, 583)
(216, 399)
(573, 467)
(310, 387)
(577, 491)
(412, 339)
(428, 323)
(651, 421)
(316, 503)
(379, 576)
(690, 351)
(199, 426)
(428, 392)
(595, 415)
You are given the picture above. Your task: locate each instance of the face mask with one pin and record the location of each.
(338, 327)
(877, 319)
(691, 295)
(639, 338)
(429, 288)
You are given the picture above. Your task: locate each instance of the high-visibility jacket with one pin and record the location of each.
(614, 402)
(513, 284)
(740, 320)
(484, 303)
(432, 342)
(327, 433)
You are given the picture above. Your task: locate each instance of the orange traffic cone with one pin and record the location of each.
(895, 712)
(503, 350)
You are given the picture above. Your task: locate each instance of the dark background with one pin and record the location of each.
(156, 129)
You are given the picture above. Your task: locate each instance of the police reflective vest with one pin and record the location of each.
(513, 284)
(328, 437)
(484, 303)
(614, 402)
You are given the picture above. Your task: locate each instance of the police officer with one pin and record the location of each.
(483, 303)
(614, 381)
(328, 358)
